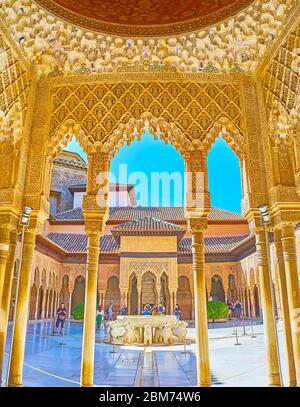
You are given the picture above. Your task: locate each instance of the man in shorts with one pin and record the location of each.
(61, 317)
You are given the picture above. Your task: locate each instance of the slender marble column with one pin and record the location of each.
(21, 310)
(268, 312)
(285, 309)
(88, 342)
(198, 227)
(292, 279)
(6, 297)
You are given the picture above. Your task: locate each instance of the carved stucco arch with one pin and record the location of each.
(230, 134)
(136, 128)
(66, 131)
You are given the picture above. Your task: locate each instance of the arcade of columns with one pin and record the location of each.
(106, 110)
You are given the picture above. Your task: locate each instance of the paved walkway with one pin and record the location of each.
(55, 361)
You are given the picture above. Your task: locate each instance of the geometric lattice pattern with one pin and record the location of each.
(101, 107)
(14, 81)
(282, 83)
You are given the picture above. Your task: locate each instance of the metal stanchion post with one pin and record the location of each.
(185, 352)
(244, 328)
(114, 351)
(233, 326)
(252, 331)
(237, 338)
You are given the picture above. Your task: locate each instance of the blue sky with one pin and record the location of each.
(154, 156)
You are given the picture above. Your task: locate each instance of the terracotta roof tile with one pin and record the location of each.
(148, 224)
(164, 213)
(220, 244)
(77, 243)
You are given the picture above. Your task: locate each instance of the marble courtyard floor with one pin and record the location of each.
(49, 361)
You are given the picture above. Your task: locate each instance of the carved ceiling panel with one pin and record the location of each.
(140, 17)
(238, 43)
(282, 80)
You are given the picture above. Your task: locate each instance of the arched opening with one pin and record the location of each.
(78, 294)
(49, 308)
(217, 290)
(40, 303)
(256, 302)
(68, 179)
(64, 293)
(164, 295)
(34, 292)
(133, 296)
(33, 301)
(227, 180)
(112, 294)
(148, 295)
(184, 297)
(232, 292)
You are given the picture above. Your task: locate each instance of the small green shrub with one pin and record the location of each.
(78, 312)
(217, 310)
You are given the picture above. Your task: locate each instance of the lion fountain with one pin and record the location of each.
(147, 330)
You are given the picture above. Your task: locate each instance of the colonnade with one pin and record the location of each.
(95, 219)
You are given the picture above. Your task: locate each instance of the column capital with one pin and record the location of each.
(98, 170)
(8, 221)
(197, 225)
(40, 211)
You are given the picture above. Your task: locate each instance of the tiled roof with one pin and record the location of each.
(220, 244)
(72, 214)
(165, 213)
(148, 224)
(77, 243)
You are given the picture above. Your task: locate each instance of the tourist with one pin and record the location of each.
(61, 314)
(154, 310)
(177, 312)
(124, 310)
(161, 309)
(229, 305)
(238, 309)
(109, 312)
(147, 310)
(100, 316)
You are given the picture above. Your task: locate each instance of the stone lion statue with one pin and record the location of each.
(115, 331)
(130, 334)
(147, 335)
(180, 330)
(157, 335)
(166, 333)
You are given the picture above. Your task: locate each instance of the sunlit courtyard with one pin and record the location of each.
(237, 355)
